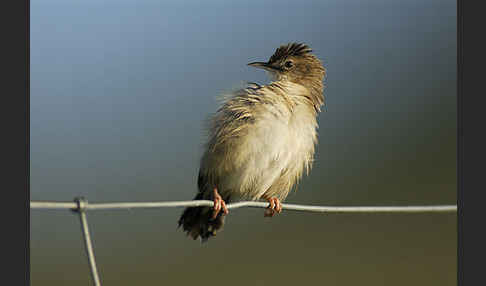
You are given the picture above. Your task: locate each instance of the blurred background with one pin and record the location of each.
(119, 93)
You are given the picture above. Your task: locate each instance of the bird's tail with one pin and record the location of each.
(198, 221)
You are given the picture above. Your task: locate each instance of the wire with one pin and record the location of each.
(81, 206)
(292, 207)
(81, 209)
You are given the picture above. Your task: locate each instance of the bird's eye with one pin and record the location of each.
(289, 64)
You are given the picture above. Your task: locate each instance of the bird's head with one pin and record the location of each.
(293, 62)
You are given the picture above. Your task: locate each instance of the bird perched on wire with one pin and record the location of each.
(261, 140)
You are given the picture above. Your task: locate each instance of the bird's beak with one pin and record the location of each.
(262, 65)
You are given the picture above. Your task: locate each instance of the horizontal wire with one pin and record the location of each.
(81, 206)
(200, 203)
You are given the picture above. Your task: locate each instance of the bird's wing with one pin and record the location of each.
(231, 122)
(239, 143)
(240, 109)
(235, 116)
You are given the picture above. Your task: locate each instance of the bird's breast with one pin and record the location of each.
(276, 142)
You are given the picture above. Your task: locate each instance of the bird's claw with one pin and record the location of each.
(219, 204)
(274, 207)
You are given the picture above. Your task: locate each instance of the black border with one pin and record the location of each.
(460, 146)
(15, 117)
(471, 143)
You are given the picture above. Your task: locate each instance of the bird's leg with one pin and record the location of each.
(275, 206)
(218, 204)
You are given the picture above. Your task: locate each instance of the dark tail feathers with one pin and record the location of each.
(197, 222)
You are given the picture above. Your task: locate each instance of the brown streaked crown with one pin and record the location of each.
(291, 49)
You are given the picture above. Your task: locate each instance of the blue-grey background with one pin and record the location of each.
(119, 93)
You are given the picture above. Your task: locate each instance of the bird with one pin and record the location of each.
(261, 140)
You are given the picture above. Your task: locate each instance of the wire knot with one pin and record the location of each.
(81, 203)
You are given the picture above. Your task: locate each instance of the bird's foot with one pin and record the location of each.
(219, 204)
(274, 207)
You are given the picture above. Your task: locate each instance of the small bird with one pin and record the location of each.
(261, 140)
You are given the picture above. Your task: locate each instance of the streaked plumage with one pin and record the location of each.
(261, 139)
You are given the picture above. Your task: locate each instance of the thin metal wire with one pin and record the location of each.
(81, 210)
(80, 205)
(293, 207)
